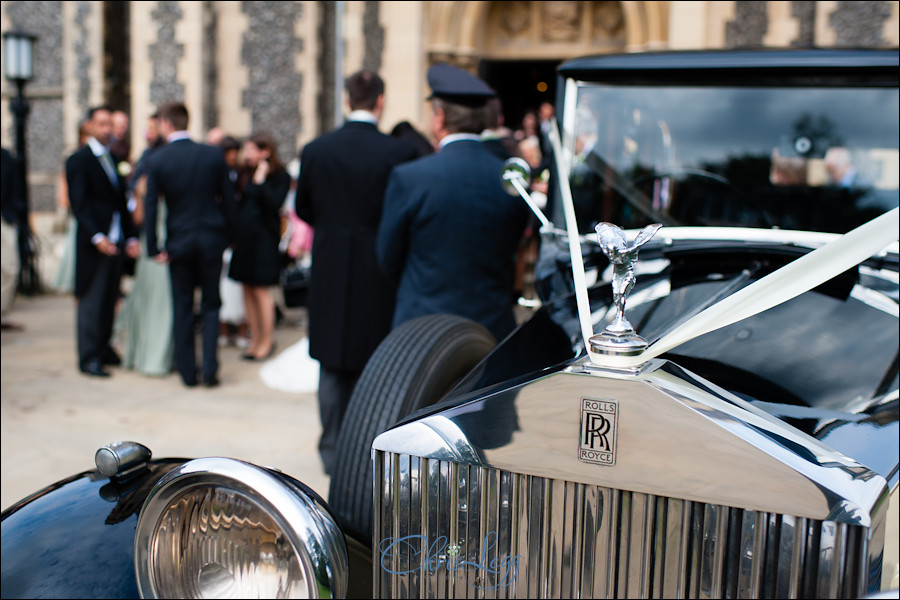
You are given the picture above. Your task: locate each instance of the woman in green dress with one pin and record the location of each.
(145, 320)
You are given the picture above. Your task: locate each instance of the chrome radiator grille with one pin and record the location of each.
(448, 530)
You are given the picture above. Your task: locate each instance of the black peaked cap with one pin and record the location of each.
(458, 86)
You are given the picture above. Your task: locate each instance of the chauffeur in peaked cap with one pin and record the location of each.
(449, 232)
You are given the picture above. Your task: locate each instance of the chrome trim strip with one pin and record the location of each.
(872, 548)
(830, 542)
(751, 545)
(401, 582)
(792, 549)
(448, 500)
(431, 500)
(573, 586)
(806, 239)
(555, 538)
(379, 490)
(416, 499)
(458, 498)
(604, 574)
(384, 513)
(533, 542)
(713, 551)
(679, 233)
(694, 552)
(507, 536)
(489, 511)
(631, 570)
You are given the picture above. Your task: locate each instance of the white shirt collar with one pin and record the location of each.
(178, 135)
(458, 137)
(363, 116)
(96, 147)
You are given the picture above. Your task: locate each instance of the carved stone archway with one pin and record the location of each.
(462, 33)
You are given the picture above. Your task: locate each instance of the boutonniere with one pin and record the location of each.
(124, 168)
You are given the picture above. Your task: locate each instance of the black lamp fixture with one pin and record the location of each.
(18, 67)
(19, 54)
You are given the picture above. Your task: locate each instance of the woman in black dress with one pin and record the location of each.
(256, 262)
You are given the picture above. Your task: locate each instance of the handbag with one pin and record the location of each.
(295, 284)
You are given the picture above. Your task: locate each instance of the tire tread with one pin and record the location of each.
(397, 380)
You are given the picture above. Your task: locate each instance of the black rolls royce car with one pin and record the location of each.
(705, 404)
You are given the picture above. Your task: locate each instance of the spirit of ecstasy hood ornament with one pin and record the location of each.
(619, 337)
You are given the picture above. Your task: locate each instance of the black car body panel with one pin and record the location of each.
(75, 538)
(740, 67)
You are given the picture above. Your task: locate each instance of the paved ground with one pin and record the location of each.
(53, 418)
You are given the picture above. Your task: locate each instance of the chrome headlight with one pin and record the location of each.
(222, 528)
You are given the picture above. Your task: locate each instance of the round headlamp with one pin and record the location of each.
(222, 528)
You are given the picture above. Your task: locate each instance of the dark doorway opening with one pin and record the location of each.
(117, 55)
(521, 85)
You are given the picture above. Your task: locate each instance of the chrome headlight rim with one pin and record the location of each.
(314, 535)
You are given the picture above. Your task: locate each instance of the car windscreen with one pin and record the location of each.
(806, 158)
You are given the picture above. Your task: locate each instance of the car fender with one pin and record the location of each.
(75, 538)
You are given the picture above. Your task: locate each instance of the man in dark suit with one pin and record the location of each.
(104, 231)
(193, 179)
(449, 232)
(340, 191)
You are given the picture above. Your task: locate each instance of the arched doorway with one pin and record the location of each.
(524, 42)
(516, 46)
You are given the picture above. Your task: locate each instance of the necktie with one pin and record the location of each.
(110, 168)
(115, 228)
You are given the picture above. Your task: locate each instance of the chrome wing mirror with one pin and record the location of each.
(515, 178)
